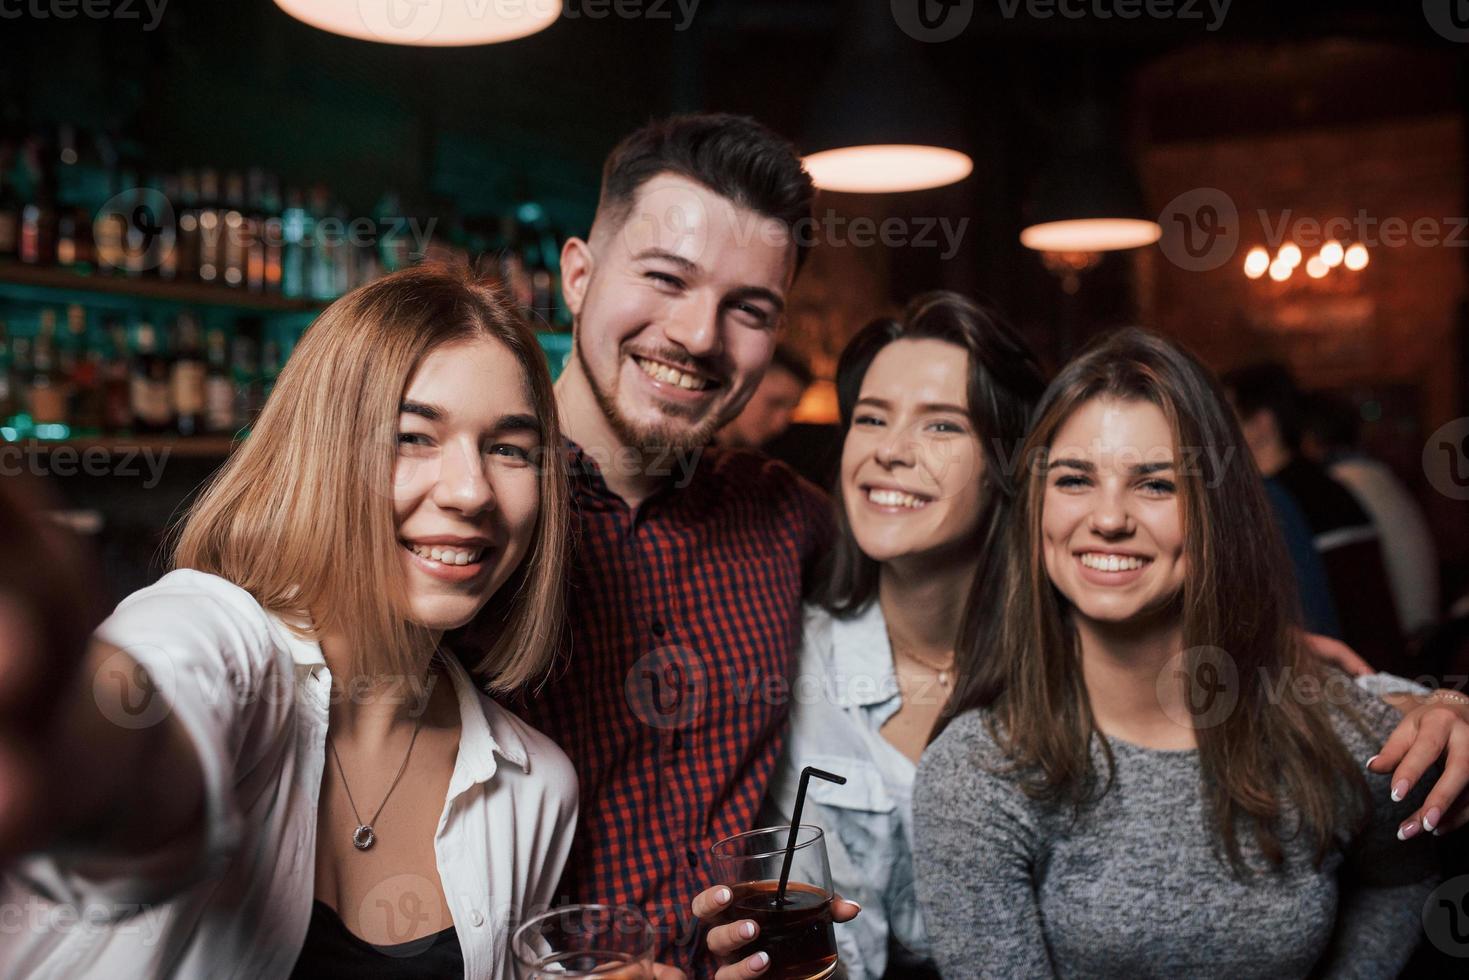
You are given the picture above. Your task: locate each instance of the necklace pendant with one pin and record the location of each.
(363, 838)
(944, 678)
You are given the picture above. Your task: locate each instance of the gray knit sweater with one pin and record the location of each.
(1013, 888)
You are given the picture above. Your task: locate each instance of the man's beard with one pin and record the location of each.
(658, 438)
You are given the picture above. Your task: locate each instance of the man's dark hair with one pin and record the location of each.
(734, 156)
(792, 363)
(1268, 387)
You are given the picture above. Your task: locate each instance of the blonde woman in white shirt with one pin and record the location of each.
(282, 757)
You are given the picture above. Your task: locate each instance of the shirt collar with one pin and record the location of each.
(485, 729)
(586, 474)
(861, 648)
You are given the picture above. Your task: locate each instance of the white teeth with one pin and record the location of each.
(1111, 563)
(668, 375)
(895, 498)
(447, 556)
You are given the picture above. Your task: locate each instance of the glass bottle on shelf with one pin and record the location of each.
(117, 404)
(219, 387)
(187, 374)
(72, 174)
(211, 227)
(82, 369)
(243, 376)
(48, 394)
(270, 367)
(271, 234)
(151, 409)
(8, 404)
(186, 244)
(10, 202)
(165, 252)
(297, 234)
(327, 240)
(20, 380)
(236, 245)
(37, 244)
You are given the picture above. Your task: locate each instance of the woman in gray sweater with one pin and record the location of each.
(1148, 775)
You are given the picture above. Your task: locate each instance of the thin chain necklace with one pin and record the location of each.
(942, 670)
(364, 837)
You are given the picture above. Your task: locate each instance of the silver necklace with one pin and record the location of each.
(364, 837)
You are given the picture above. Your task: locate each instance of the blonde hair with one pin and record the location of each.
(301, 516)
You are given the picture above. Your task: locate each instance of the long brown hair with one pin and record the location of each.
(1266, 754)
(301, 516)
(1004, 383)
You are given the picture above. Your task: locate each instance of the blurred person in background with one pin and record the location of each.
(768, 412)
(1269, 406)
(1332, 438)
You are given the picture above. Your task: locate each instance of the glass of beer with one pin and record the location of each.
(603, 941)
(796, 930)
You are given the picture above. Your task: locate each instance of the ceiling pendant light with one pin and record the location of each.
(880, 121)
(1087, 198)
(427, 23)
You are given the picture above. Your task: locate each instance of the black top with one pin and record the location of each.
(333, 950)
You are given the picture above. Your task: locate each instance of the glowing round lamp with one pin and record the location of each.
(1280, 271)
(1091, 235)
(1332, 253)
(429, 23)
(1316, 267)
(1256, 262)
(1356, 258)
(886, 167)
(1290, 254)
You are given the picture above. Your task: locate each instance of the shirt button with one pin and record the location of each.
(693, 857)
(677, 740)
(658, 628)
(475, 918)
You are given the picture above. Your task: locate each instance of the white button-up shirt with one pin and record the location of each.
(253, 698)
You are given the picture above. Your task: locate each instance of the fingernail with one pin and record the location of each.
(855, 905)
(759, 961)
(1409, 829)
(747, 929)
(1372, 760)
(1399, 790)
(1438, 832)
(722, 895)
(1430, 819)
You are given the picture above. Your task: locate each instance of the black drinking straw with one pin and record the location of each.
(785, 869)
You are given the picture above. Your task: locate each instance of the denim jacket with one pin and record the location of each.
(844, 691)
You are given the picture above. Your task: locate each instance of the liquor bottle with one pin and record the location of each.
(20, 380)
(140, 226)
(270, 367)
(243, 378)
(211, 228)
(48, 394)
(236, 245)
(151, 409)
(8, 406)
(165, 252)
(117, 404)
(187, 243)
(328, 242)
(219, 387)
(38, 213)
(186, 379)
(271, 234)
(254, 231)
(10, 203)
(392, 238)
(82, 369)
(74, 247)
(297, 233)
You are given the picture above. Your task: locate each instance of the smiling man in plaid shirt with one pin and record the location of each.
(686, 593)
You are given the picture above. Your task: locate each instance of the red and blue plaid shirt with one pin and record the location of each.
(685, 618)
